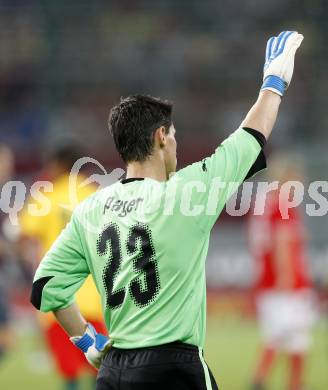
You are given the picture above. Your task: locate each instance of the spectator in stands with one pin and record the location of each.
(6, 171)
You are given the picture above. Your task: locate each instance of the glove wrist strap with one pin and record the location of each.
(275, 83)
(84, 342)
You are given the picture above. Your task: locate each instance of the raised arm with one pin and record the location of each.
(262, 116)
(240, 156)
(278, 71)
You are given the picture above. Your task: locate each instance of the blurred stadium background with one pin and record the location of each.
(64, 64)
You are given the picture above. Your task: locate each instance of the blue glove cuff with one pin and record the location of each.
(84, 343)
(276, 83)
(101, 341)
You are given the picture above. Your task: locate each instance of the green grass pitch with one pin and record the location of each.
(230, 352)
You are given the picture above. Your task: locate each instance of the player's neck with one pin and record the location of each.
(152, 168)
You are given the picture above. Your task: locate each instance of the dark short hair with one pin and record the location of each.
(66, 154)
(133, 122)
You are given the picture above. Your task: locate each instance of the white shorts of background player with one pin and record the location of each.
(286, 319)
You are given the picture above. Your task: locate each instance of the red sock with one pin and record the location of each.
(296, 371)
(264, 365)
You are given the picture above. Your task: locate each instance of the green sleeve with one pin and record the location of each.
(61, 272)
(213, 180)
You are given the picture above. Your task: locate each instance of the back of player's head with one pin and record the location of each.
(133, 122)
(65, 155)
(285, 166)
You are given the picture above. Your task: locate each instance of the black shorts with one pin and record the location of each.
(175, 366)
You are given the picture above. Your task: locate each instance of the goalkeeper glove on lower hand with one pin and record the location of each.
(279, 61)
(94, 345)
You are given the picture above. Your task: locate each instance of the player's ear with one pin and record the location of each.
(160, 136)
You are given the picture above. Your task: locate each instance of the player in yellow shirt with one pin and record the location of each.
(44, 230)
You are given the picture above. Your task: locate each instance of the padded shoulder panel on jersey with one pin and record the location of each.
(259, 165)
(260, 162)
(37, 288)
(257, 135)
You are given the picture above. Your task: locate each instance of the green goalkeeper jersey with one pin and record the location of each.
(145, 243)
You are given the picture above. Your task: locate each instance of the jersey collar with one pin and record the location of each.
(131, 179)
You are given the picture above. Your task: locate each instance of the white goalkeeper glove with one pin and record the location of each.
(94, 345)
(279, 61)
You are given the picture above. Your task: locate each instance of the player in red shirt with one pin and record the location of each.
(283, 285)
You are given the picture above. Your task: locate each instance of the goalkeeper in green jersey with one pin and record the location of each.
(144, 240)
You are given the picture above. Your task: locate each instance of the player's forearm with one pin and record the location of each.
(262, 116)
(71, 320)
(83, 335)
